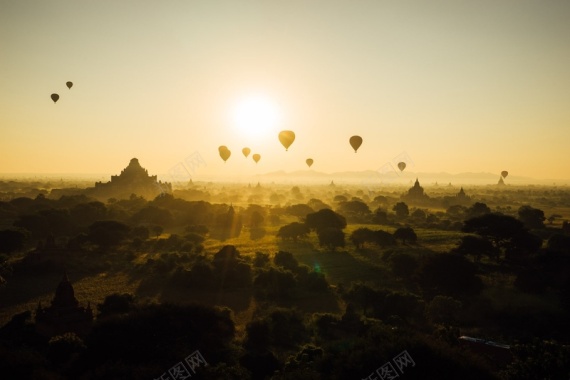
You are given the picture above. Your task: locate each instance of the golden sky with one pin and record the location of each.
(457, 86)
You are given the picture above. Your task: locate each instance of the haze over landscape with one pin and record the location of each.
(458, 86)
(278, 190)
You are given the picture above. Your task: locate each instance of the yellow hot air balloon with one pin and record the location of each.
(246, 152)
(286, 138)
(69, 85)
(224, 153)
(401, 166)
(504, 173)
(355, 142)
(309, 162)
(256, 157)
(222, 147)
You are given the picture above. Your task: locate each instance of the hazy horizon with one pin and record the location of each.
(445, 86)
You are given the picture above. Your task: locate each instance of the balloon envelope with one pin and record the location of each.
(225, 154)
(256, 157)
(54, 97)
(401, 166)
(286, 138)
(246, 151)
(222, 147)
(355, 142)
(69, 84)
(309, 162)
(504, 173)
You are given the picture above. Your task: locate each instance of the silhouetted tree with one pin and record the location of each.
(477, 246)
(299, 210)
(532, 218)
(380, 216)
(406, 234)
(325, 218)
(293, 231)
(108, 233)
(354, 209)
(505, 232)
(361, 236)
(331, 237)
(116, 304)
(449, 274)
(401, 210)
(443, 309)
(477, 209)
(384, 239)
(286, 260)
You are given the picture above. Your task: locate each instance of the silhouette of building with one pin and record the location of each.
(65, 314)
(415, 194)
(460, 199)
(501, 182)
(134, 179)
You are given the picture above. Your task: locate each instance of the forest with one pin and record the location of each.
(282, 281)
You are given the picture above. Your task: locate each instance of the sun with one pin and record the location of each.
(256, 116)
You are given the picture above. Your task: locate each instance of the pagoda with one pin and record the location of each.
(65, 314)
(134, 179)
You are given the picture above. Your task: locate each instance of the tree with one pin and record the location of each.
(157, 230)
(477, 246)
(361, 236)
(419, 215)
(115, 304)
(401, 210)
(325, 218)
(317, 204)
(293, 231)
(449, 274)
(380, 216)
(532, 218)
(477, 209)
(406, 234)
(506, 233)
(299, 210)
(108, 233)
(255, 219)
(11, 241)
(384, 239)
(331, 237)
(286, 260)
(354, 209)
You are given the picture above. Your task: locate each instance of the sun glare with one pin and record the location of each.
(256, 117)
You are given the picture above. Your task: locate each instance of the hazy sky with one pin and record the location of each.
(458, 86)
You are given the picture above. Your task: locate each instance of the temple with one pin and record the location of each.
(64, 315)
(134, 179)
(415, 194)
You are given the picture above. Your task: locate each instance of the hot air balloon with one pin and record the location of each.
(224, 153)
(504, 173)
(222, 147)
(256, 157)
(54, 97)
(286, 138)
(246, 152)
(355, 142)
(309, 162)
(401, 166)
(69, 84)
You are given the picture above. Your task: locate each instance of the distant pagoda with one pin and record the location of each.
(134, 179)
(415, 194)
(501, 182)
(65, 314)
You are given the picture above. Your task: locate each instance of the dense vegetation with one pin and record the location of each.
(290, 283)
